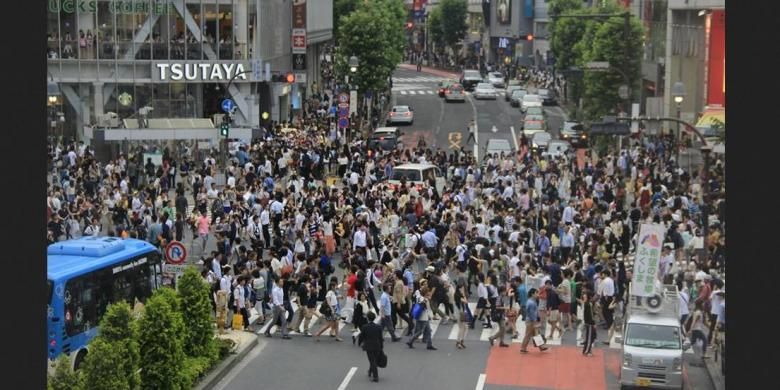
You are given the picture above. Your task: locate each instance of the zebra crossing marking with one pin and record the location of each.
(432, 92)
(419, 79)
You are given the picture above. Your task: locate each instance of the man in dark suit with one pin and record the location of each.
(372, 341)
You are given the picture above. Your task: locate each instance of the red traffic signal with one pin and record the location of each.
(290, 78)
(529, 37)
(409, 25)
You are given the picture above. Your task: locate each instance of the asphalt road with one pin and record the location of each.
(445, 125)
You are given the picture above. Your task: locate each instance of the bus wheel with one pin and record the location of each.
(79, 359)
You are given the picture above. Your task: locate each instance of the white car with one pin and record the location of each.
(540, 140)
(485, 91)
(530, 101)
(496, 79)
(418, 175)
(400, 114)
(556, 148)
(498, 146)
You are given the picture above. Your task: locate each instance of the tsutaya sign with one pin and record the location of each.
(216, 71)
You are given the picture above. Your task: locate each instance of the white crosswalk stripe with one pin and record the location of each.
(420, 79)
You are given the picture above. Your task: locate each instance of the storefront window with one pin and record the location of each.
(192, 100)
(125, 27)
(226, 31)
(178, 95)
(141, 17)
(106, 31)
(68, 33)
(161, 95)
(87, 34)
(53, 37)
(194, 45)
(178, 31)
(209, 28)
(143, 95)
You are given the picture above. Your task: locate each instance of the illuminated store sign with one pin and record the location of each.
(192, 71)
(114, 6)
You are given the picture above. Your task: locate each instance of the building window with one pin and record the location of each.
(226, 31)
(541, 30)
(194, 45)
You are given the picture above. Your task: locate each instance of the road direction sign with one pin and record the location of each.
(228, 105)
(343, 123)
(177, 269)
(175, 253)
(343, 97)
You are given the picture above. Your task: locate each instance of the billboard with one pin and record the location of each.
(716, 63)
(647, 260)
(504, 11)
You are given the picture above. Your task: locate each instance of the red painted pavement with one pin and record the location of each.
(432, 71)
(559, 368)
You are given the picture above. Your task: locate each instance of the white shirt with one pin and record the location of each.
(238, 295)
(607, 287)
(265, 217)
(684, 300)
(359, 239)
(277, 295)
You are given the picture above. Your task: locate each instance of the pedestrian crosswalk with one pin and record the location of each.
(419, 79)
(432, 92)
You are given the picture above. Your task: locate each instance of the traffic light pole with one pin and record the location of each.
(229, 120)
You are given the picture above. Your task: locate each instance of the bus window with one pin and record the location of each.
(409, 174)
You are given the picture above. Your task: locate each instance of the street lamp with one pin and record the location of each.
(678, 92)
(705, 207)
(353, 64)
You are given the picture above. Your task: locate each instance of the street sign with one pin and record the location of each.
(343, 109)
(176, 269)
(597, 65)
(300, 78)
(634, 114)
(228, 105)
(299, 41)
(257, 67)
(343, 98)
(352, 102)
(175, 253)
(610, 128)
(623, 91)
(343, 123)
(299, 61)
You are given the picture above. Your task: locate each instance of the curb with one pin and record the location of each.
(429, 70)
(716, 379)
(217, 373)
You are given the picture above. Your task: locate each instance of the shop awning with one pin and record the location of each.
(710, 114)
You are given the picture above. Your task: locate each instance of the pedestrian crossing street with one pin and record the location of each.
(418, 79)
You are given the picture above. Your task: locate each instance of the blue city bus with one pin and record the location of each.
(84, 276)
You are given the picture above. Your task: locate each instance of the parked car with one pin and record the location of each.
(496, 79)
(517, 97)
(470, 79)
(455, 93)
(511, 89)
(444, 85)
(548, 97)
(485, 91)
(400, 114)
(574, 133)
(530, 100)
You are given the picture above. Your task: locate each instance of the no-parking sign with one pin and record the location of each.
(175, 253)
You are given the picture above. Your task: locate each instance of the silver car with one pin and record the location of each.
(485, 91)
(400, 114)
(455, 93)
(497, 146)
(496, 79)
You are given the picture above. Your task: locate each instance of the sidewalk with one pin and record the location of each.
(430, 70)
(245, 342)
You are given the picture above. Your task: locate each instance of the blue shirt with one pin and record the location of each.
(409, 276)
(429, 239)
(531, 312)
(385, 303)
(522, 295)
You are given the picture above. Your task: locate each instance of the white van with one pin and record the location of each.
(417, 175)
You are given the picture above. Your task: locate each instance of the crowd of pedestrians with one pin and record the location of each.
(548, 241)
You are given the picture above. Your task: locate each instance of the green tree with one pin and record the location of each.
(161, 331)
(105, 366)
(435, 28)
(196, 313)
(64, 377)
(565, 33)
(453, 22)
(342, 8)
(611, 43)
(118, 327)
(373, 33)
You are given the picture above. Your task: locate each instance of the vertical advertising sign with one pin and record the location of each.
(504, 11)
(299, 39)
(299, 14)
(648, 257)
(716, 77)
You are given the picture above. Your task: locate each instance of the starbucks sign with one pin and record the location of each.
(157, 7)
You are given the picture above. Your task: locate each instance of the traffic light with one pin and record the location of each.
(529, 37)
(279, 78)
(409, 25)
(290, 78)
(224, 129)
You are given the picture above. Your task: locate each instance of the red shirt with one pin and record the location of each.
(351, 281)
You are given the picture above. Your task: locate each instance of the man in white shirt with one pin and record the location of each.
(359, 239)
(277, 307)
(666, 263)
(607, 293)
(239, 295)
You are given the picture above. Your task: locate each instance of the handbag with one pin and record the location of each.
(381, 360)
(417, 311)
(469, 314)
(325, 310)
(238, 321)
(539, 340)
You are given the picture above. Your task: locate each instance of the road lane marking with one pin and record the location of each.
(250, 356)
(346, 380)
(476, 128)
(455, 139)
(481, 382)
(413, 92)
(514, 137)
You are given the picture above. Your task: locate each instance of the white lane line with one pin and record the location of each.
(346, 380)
(481, 382)
(413, 92)
(255, 352)
(476, 128)
(514, 138)
(404, 92)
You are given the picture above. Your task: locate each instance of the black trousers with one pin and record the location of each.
(608, 313)
(245, 315)
(590, 338)
(266, 237)
(373, 356)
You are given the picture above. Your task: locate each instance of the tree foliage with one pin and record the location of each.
(435, 27)
(373, 33)
(105, 366)
(196, 313)
(453, 21)
(64, 378)
(565, 33)
(342, 8)
(118, 328)
(161, 331)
